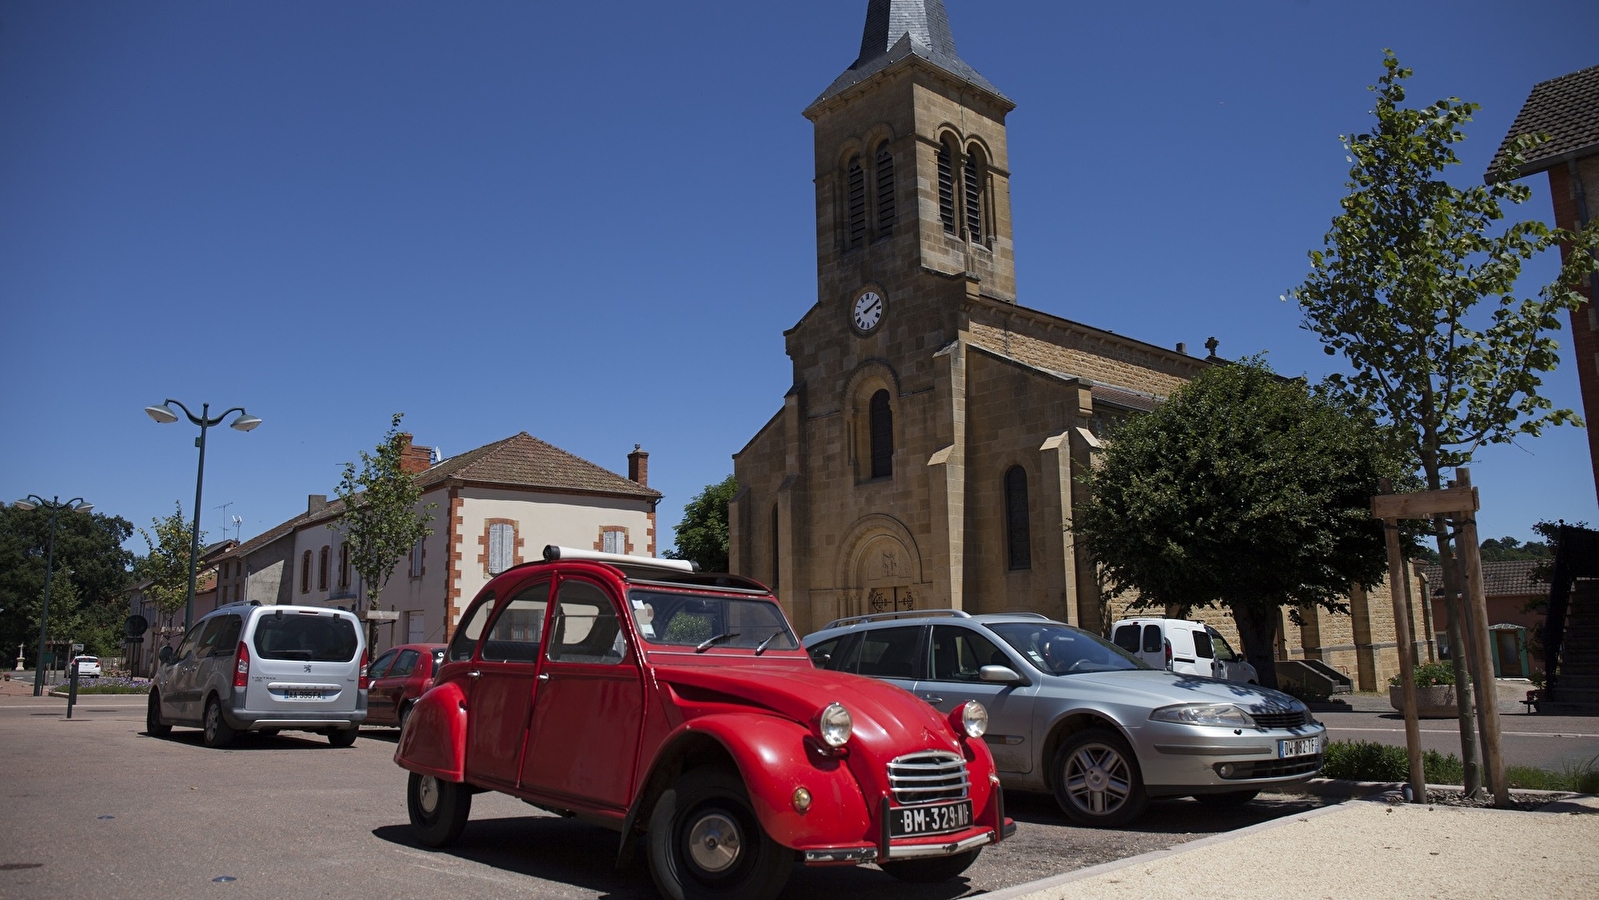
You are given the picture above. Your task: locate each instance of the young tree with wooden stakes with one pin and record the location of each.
(1396, 291)
(382, 520)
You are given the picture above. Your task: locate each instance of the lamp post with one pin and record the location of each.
(55, 506)
(163, 415)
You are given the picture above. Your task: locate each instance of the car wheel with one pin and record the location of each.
(218, 733)
(931, 871)
(343, 737)
(1097, 781)
(154, 725)
(438, 808)
(1227, 800)
(705, 842)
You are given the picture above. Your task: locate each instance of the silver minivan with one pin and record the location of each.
(248, 667)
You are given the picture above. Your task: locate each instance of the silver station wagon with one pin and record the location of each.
(1074, 715)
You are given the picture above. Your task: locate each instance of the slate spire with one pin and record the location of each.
(896, 29)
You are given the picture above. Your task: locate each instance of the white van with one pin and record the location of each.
(1181, 646)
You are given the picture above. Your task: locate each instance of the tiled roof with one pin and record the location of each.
(897, 29)
(1567, 110)
(525, 461)
(1505, 578)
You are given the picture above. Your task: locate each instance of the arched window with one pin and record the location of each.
(305, 572)
(885, 191)
(973, 179)
(776, 555)
(882, 428)
(946, 186)
(855, 232)
(322, 569)
(1018, 536)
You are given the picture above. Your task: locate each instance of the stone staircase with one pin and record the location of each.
(1573, 625)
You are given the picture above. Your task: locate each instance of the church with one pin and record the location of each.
(926, 455)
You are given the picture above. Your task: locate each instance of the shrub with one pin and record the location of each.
(1429, 675)
(1371, 761)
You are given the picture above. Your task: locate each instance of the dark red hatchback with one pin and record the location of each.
(399, 676)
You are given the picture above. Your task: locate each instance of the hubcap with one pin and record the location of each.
(427, 795)
(1097, 779)
(714, 843)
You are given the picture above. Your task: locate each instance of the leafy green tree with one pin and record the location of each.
(165, 568)
(1396, 291)
(1243, 490)
(702, 535)
(1509, 548)
(91, 574)
(382, 518)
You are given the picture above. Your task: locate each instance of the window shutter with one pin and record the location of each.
(974, 199)
(946, 187)
(500, 538)
(857, 204)
(882, 429)
(885, 192)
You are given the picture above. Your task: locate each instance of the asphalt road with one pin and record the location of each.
(95, 808)
(1546, 742)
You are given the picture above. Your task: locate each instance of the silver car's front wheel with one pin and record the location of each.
(1097, 780)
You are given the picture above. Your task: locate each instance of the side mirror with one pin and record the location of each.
(165, 656)
(1000, 675)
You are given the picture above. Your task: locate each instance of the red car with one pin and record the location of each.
(679, 709)
(399, 676)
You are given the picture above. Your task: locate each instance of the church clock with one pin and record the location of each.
(868, 311)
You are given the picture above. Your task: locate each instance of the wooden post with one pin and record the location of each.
(1407, 665)
(1476, 605)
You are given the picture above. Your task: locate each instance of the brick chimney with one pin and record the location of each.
(638, 466)
(315, 503)
(414, 460)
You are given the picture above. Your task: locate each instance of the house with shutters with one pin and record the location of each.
(491, 508)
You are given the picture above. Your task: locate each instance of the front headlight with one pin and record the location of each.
(1224, 715)
(970, 718)
(834, 725)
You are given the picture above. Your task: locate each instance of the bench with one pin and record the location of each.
(1533, 696)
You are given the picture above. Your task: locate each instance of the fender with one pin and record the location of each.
(434, 741)
(775, 756)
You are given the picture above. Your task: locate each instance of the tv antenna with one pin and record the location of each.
(225, 523)
(237, 524)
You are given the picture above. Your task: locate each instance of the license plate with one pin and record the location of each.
(302, 695)
(913, 821)
(1300, 747)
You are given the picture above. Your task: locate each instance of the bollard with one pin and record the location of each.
(72, 687)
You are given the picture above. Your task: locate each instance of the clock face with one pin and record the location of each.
(868, 310)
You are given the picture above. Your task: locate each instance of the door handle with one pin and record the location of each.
(474, 674)
(932, 699)
(544, 676)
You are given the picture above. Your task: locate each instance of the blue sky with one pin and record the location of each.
(593, 222)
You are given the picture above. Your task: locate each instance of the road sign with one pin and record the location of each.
(77, 648)
(136, 626)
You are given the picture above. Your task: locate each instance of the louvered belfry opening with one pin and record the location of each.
(974, 197)
(1018, 534)
(857, 205)
(882, 428)
(885, 191)
(946, 186)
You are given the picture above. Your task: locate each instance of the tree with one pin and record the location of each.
(382, 520)
(86, 591)
(1395, 291)
(702, 535)
(1509, 548)
(1243, 490)
(166, 566)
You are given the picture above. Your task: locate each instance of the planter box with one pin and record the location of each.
(1436, 702)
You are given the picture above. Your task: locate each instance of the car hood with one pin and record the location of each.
(885, 716)
(1160, 688)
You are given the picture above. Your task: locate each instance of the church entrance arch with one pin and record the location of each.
(879, 569)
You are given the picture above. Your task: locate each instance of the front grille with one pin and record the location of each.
(1274, 719)
(928, 778)
(1277, 768)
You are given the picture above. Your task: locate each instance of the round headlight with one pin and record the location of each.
(974, 719)
(835, 725)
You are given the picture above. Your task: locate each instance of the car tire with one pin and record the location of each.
(405, 713)
(1097, 780)
(1229, 800)
(706, 843)
(343, 737)
(154, 725)
(218, 733)
(438, 808)
(931, 871)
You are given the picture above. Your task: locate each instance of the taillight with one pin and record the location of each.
(365, 681)
(1168, 654)
(241, 666)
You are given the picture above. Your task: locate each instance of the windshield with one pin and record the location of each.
(696, 620)
(1063, 650)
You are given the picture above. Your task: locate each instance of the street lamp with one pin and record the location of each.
(55, 506)
(164, 415)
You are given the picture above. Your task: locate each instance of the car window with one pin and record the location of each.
(1127, 638)
(1061, 649)
(1224, 650)
(889, 653)
(208, 638)
(960, 653)
(471, 628)
(1202, 645)
(687, 620)
(404, 664)
(189, 640)
(316, 637)
(227, 641)
(822, 654)
(585, 628)
(380, 666)
(1153, 643)
(517, 628)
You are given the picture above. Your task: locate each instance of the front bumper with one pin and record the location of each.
(1180, 759)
